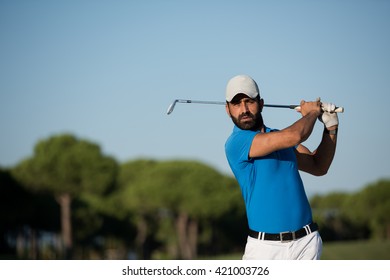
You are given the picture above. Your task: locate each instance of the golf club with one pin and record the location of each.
(172, 106)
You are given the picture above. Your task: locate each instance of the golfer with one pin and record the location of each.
(265, 162)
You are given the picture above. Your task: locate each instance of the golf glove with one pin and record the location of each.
(328, 117)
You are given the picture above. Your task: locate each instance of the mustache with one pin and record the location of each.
(246, 114)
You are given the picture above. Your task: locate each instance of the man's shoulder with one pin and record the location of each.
(238, 132)
(239, 135)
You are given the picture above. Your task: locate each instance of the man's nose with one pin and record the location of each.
(243, 107)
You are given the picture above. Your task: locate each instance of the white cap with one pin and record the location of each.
(241, 84)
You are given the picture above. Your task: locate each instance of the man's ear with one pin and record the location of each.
(227, 109)
(261, 104)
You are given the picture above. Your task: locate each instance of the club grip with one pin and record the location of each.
(339, 110)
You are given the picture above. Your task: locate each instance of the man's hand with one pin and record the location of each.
(328, 117)
(306, 107)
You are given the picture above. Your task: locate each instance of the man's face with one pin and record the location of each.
(245, 112)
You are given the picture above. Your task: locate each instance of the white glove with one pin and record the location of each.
(328, 117)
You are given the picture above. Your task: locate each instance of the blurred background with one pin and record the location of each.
(92, 167)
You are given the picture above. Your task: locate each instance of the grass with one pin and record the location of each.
(357, 250)
(345, 250)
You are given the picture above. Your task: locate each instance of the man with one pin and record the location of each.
(265, 163)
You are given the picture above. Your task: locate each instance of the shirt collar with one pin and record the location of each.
(236, 128)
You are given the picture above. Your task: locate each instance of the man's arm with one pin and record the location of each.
(266, 143)
(318, 162)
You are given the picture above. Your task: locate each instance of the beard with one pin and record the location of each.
(251, 122)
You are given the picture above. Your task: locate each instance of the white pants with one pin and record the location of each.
(308, 247)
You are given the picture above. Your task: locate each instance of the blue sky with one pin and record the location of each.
(107, 71)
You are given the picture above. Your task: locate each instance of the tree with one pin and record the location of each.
(371, 207)
(67, 167)
(134, 203)
(23, 216)
(328, 213)
(178, 195)
(194, 193)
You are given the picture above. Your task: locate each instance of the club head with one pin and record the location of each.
(171, 107)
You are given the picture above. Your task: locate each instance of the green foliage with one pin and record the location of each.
(19, 207)
(68, 168)
(65, 164)
(330, 201)
(371, 207)
(157, 193)
(355, 216)
(178, 186)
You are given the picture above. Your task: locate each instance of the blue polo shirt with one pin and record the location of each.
(271, 186)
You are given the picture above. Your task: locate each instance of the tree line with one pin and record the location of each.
(70, 201)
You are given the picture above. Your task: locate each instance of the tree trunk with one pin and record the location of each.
(65, 202)
(187, 231)
(142, 233)
(33, 252)
(20, 244)
(193, 238)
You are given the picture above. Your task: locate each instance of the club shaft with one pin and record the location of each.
(200, 102)
(172, 106)
(224, 103)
